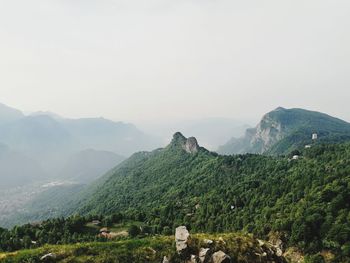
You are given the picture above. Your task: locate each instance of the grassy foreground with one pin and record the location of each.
(241, 248)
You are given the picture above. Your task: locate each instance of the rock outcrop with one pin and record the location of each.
(220, 250)
(190, 145)
(204, 255)
(182, 237)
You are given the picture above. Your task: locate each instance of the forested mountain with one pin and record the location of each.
(305, 200)
(283, 130)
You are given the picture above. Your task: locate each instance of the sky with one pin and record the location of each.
(161, 60)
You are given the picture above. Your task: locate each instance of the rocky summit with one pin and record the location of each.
(190, 145)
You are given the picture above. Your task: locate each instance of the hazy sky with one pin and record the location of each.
(138, 60)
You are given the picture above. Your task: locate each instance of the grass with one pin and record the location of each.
(241, 247)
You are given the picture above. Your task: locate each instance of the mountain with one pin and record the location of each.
(36, 135)
(86, 166)
(102, 134)
(283, 130)
(184, 184)
(50, 139)
(8, 114)
(17, 169)
(304, 203)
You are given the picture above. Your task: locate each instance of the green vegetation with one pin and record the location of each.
(70, 230)
(306, 201)
(241, 247)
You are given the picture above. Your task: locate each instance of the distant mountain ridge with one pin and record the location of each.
(9, 114)
(50, 139)
(283, 130)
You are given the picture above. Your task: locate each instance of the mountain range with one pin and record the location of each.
(49, 141)
(299, 194)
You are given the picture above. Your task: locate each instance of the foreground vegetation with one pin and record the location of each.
(240, 247)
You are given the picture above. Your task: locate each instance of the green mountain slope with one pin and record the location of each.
(308, 200)
(283, 130)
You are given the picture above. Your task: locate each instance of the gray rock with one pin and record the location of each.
(208, 242)
(48, 257)
(220, 257)
(191, 145)
(165, 259)
(204, 255)
(182, 237)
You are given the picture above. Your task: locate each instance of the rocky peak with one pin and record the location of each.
(190, 145)
(178, 138)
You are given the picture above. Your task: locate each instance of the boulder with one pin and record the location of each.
(204, 255)
(220, 257)
(182, 237)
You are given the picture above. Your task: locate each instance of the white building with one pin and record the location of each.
(314, 136)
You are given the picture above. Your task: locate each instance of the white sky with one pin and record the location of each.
(138, 60)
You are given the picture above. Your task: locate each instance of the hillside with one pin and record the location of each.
(303, 202)
(283, 130)
(306, 200)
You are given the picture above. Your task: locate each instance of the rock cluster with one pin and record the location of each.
(192, 250)
(205, 255)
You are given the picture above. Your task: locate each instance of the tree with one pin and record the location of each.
(134, 231)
